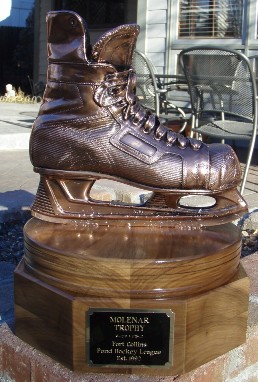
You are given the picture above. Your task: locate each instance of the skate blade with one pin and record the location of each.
(71, 200)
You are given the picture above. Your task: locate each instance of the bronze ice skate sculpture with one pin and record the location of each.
(90, 126)
(113, 291)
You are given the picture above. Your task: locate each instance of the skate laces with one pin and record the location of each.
(119, 90)
(149, 122)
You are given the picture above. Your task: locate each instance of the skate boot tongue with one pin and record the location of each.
(68, 37)
(68, 40)
(116, 46)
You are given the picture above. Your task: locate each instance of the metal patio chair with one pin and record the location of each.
(223, 95)
(151, 93)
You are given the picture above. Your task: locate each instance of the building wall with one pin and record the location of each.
(42, 7)
(157, 15)
(153, 17)
(159, 40)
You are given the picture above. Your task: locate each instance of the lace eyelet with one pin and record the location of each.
(135, 120)
(171, 138)
(73, 22)
(195, 144)
(182, 142)
(146, 130)
(160, 133)
(158, 138)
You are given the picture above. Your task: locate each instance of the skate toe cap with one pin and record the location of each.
(225, 171)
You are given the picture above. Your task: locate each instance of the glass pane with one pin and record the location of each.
(210, 18)
(97, 13)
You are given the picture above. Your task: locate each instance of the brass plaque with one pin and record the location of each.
(126, 337)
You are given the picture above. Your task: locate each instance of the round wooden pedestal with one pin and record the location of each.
(70, 271)
(136, 262)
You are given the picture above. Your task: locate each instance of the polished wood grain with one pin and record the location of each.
(138, 262)
(206, 325)
(68, 270)
(217, 320)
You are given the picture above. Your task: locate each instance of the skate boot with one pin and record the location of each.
(90, 126)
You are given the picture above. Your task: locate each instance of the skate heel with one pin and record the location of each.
(62, 198)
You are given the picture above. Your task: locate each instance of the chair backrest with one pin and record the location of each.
(219, 80)
(146, 86)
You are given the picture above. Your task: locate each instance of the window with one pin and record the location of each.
(97, 13)
(210, 18)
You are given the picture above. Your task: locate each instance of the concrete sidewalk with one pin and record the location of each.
(18, 184)
(17, 187)
(15, 124)
(18, 181)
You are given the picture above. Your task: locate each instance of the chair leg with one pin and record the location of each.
(248, 162)
(244, 180)
(193, 121)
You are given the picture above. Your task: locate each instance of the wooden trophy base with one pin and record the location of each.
(140, 300)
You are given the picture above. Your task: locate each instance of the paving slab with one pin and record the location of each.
(16, 120)
(18, 184)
